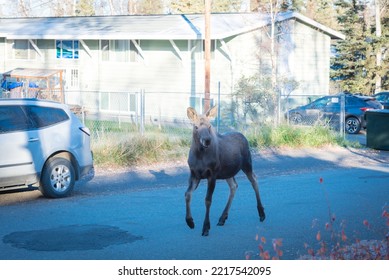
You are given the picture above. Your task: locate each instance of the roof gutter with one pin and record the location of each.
(192, 26)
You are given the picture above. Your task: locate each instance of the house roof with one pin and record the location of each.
(154, 27)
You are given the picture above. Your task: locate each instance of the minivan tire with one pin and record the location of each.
(58, 178)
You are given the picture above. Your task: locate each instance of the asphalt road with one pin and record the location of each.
(140, 214)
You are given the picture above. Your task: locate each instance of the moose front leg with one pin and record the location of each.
(208, 202)
(193, 183)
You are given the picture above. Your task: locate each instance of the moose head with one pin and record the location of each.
(202, 129)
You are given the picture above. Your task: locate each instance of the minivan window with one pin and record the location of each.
(45, 116)
(12, 118)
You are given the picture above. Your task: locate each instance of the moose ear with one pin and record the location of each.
(212, 113)
(192, 114)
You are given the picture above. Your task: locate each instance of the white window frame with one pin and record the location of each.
(75, 50)
(30, 50)
(130, 51)
(123, 103)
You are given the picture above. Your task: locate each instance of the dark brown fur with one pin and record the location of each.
(214, 156)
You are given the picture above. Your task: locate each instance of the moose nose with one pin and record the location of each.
(205, 142)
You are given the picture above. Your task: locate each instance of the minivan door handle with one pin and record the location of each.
(33, 139)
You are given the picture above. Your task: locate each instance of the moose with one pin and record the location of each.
(214, 156)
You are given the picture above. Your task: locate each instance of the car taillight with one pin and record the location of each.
(364, 109)
(85, 130)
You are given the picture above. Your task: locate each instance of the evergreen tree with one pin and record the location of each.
(382, 44)
(363, 56)
(354, 62)
(385, 51)
(322, 11)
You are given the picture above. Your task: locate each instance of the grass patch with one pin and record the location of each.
(295, 137)
(118, 148)
(139, 150)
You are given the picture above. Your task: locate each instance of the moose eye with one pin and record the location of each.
(196, 127)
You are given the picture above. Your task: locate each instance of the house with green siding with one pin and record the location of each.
(106, 61)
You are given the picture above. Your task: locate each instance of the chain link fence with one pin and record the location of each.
(137, 111)
(115, 115)
(129, 112)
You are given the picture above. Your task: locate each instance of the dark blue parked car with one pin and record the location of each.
(326, 110)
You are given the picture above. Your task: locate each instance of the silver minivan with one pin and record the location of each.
(42, 142)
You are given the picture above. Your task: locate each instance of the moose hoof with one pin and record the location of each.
(261, 212)
(222, 221)
(190, 223)
(206, 228)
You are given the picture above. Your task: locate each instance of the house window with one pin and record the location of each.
(22, 49)
(118, 102)
(213, 47)
(119, 50)
(67, 49)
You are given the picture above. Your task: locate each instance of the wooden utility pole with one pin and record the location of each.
(207, 56)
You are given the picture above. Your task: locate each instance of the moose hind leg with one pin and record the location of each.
(233, 186)
(253, 180)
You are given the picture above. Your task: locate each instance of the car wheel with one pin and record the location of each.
(353, 125)
(296, 118)
(58, 178)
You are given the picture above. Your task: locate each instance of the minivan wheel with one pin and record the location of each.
(58, 178)
(353, 125)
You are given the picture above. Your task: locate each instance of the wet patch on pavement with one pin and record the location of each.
(70, 238)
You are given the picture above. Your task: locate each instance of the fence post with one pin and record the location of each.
(342, 114)
(218, 107)
(83, 114)
(142, 112)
